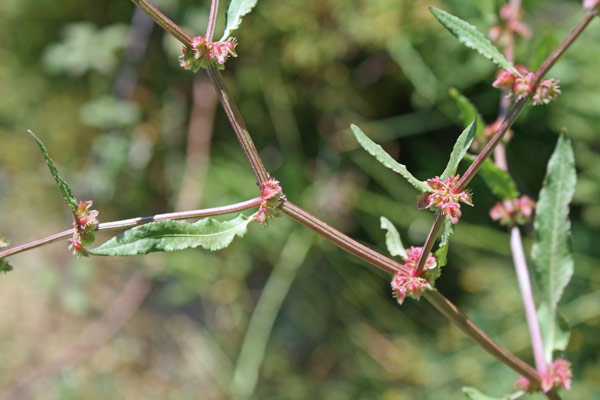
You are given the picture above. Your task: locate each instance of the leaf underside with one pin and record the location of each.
(468, 35)
(235, 11)
(65, 189)
(384, 158)
(392, 238)
(174, 235)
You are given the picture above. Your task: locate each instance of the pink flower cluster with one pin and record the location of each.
(85, 222)
(521, 86)
(558, 374)
(204, 52)
(590, 4)
(412, 285)
(272, 196)
(513, 212)
(444, 197)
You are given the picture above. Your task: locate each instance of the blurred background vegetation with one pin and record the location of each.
(100, 84)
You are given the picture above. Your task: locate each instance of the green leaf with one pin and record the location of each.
(235, 11)
(497, 180)
(64, 187)
(392, 238)
(442, 251)
(468, 35)
(5, 266)
(460, 150)
(174, 235)
(473, 394)
(555, 331)
(468, 112)
(552, 251)
(384, 158)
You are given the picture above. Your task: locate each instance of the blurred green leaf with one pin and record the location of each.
(441, 253)
(63, 186)
(5, 266)
(384, 158)
(174, 235)
(108, 112)
(555, 330)
(552, 251)
(497, 180)
(392, 238)
(473, 394)
(460, 150)
(468, 35)
(468, 112)
(235, 11)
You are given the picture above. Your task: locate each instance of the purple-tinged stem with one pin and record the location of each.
(164, 21)
(516, 246)
(429, 242)
(212, 20)
(344, 241)
(238, 125)
(126, 223)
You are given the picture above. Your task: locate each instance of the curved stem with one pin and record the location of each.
(212, 20)
(126, 223)
(164, 21)
(238, 125)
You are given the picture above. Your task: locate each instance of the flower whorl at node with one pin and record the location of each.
(412, 285)
(85, 222)
(513, 212)
(557, 375)
(203, 53)
(590, 4)
(521, 86)
(272, 197)
(444, 197)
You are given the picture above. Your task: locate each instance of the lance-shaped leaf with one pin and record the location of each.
(497, 180)
(555, 331)
(473, 394)
(384, 158)
(392, 238)
(65, 189)
(468, 112)
(552, 251)
(235, 11)
(468, 35)
(460, 150)
(174, 235)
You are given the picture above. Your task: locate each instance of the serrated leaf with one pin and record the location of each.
(174, 235)
(468, 112)
(468, 35)
(235, 11)
(474, 394)
(555, 331)
(392, 238)
(552, 251)
(65, 189)
(497, 180)
(462, 145)
(384, 158)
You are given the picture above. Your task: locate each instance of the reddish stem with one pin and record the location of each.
(212, 20)
(164, 21)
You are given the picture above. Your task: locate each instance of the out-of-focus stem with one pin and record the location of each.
(238, 125)
(126, 223)
(164, 21)
(212, 20)
(516, 246)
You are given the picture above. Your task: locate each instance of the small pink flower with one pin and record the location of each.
(557, 374)
(444, 197)
(513, 212)
(85, 222)
(523, 383)
(522, 86)
(272, 196)
(590, 4)
(408, 283)
(504, 79)
(222, 50)
(547, 91)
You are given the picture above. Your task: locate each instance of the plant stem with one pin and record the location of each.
(238, 125)
(516, 246)
(212, 20)
(429, 242)
(126, 223)
(161, 19)
(441, 303)
(344, 241)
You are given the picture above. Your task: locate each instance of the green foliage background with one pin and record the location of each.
(114, 114)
